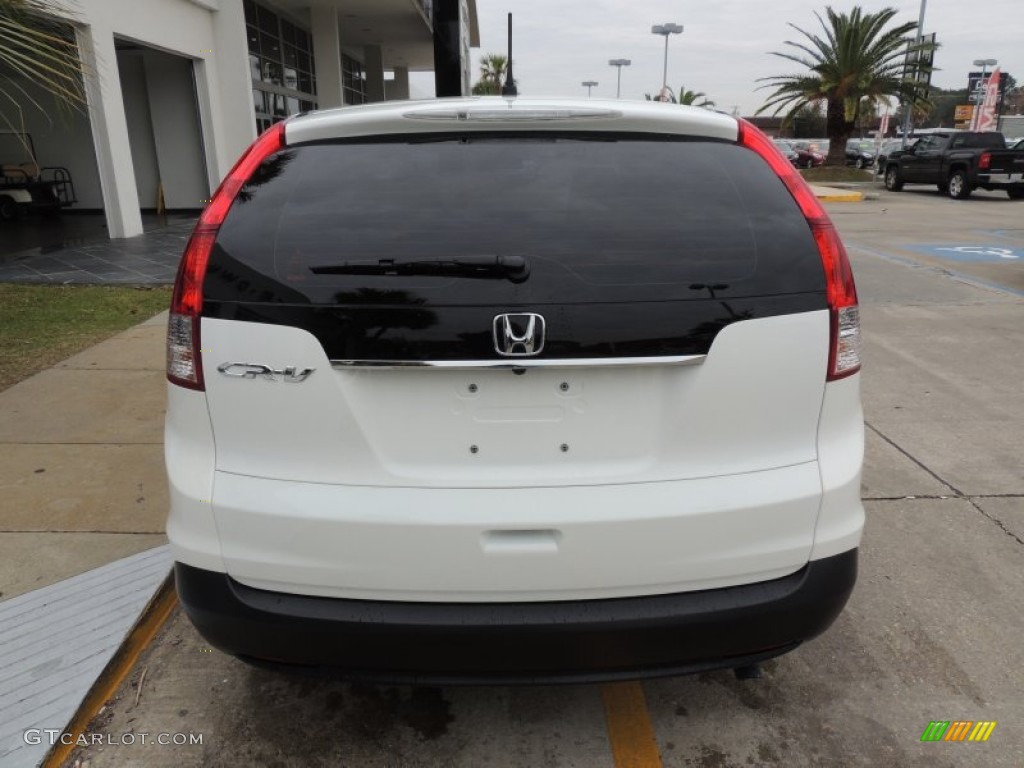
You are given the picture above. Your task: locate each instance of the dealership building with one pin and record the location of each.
(177, 89)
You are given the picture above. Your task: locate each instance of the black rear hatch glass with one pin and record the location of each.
(432, 227)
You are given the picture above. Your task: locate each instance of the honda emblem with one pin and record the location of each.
(520, 335)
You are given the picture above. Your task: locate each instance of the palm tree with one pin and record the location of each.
(857, 58)
(36, 46)
(485, 88)
(688, 98)
(694, 98)
(493, 68)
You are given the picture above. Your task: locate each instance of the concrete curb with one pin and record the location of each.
(835, 195)
(152, 619)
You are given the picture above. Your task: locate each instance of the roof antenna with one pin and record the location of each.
(509, 88)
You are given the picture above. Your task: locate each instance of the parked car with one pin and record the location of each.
(800, 158)
(887, 147)
(958, 162)
(518, 400)
(790, 153)
(818, 146)
(860, 154)
(809, 158)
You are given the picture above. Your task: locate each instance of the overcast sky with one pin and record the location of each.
(725, 44)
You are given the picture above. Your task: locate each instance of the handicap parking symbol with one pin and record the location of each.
(989, 253)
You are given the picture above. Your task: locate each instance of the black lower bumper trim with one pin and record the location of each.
(565, 641)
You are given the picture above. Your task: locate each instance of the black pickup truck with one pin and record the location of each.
(958, 162)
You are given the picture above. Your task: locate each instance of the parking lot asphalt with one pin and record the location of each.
(932, 632)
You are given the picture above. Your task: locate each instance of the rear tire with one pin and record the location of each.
(11, 211)
(958, 186)
(860, 163)
(893, 182)
(1016, 193)
(809, 163)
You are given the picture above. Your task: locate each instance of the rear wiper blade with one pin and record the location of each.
(488, 266)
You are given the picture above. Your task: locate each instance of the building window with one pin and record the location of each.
(353, 81)
(280, 65)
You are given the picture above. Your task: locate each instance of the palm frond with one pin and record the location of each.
(37, 45)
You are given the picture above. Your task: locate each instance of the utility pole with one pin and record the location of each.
(909, 108)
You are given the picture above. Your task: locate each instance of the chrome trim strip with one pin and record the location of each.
(511, 365)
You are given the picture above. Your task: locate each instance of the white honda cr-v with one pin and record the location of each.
(514, 390)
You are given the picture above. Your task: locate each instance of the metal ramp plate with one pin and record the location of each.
(55, 641)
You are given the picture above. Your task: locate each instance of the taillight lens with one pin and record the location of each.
(844, 348)
(184, 359)
(840, 290)
(985, 161)
(184, 365)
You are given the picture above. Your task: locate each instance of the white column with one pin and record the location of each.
(110, 131)
(399, 87)
(373, 60)
(327, 55)
(224, 90)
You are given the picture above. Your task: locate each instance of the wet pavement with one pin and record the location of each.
(76, 250)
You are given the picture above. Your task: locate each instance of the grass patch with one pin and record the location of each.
(40, 325)
(827, 173)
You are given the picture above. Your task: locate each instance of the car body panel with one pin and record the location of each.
(644, 424)
(518, 543)
(490, 113)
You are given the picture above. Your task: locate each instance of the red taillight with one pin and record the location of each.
(844, 345)
(184, 361)
(985, 161)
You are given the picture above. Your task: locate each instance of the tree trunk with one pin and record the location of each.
(838, 131)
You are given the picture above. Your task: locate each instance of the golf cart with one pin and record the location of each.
(25, 186)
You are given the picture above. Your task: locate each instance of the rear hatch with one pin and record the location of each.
(633, 248)
(373, 437)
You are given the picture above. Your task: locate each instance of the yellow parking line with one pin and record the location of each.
(629, 726)
(153, 617)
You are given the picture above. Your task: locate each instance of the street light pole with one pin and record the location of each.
(620, 63)
(588, 84)
(666, 30)
(908, 108)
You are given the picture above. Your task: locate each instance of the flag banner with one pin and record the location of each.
(985, 114)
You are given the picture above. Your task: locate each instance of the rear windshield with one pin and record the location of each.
(594, 218)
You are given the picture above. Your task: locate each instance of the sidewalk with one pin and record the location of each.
(81, 461)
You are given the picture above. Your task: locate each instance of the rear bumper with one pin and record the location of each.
(565, 641)
(1000, 180)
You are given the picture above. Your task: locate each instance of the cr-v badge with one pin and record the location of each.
(518, 335)
(256, 370)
